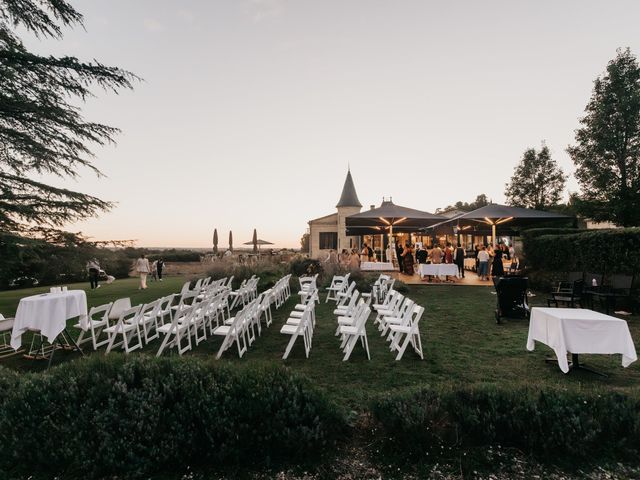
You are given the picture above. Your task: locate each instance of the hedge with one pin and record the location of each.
(598, 251)
(560, 423)
(136, 416)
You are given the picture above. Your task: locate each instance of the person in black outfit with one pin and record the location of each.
(399, 251)
(458, 259)
(497, 270)
(422, 255)
(93, 267)
(160, 266)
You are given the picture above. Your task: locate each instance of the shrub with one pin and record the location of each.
(562, 423)
(602, 251)
(135, 416)
(305, 266)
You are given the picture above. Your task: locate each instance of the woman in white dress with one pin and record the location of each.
(142, 267)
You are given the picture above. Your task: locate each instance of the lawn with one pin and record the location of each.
(462, 344)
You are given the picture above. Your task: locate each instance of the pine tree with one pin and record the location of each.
(607, 149)
(537, 181)
(42, 131)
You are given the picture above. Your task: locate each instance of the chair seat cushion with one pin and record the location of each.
(6, 324)
(289, 329)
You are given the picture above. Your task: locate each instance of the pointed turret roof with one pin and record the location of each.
(349, 197)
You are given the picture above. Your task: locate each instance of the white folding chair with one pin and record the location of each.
(98, 319)
(129, 328)
(148, 320)
(402, 335)
(352, 333)
(296, 327)
(6, 327)
(178, 331)
(233, 333)
(339, 283)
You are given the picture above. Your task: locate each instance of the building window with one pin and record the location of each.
(328, 240)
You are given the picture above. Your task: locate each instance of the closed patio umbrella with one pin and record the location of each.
(230, 241)
(215, 241)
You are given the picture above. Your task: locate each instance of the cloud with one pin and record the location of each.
(152, 25)
(260, 10)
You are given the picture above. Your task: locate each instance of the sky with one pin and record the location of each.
(251, 111)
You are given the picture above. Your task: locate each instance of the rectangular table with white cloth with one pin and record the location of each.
(578, 330)
(376, 266)
(438, 269)
(48, 314)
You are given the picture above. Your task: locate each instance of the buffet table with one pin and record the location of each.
(376, 266)
(438, 270)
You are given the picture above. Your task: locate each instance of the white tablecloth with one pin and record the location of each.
(48, 313)
(438, 269)
(470, 263)
(578, 330)
(376, 266)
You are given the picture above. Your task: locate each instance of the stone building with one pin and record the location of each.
(329, 232)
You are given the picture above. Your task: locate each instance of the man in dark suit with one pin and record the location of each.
(458, 259)
(399, 251)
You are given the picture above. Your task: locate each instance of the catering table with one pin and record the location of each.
(48, 313)
(578, 330)
(438, 269)
(469, 263)
(376, 266)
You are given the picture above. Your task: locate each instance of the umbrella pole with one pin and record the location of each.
(493, 235)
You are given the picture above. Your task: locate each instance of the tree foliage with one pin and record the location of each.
(537, 181)
(607, 149)
(480, 201)
(42, 130)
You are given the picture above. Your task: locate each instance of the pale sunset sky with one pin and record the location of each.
(251, 110)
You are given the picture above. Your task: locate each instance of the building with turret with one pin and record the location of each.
(329, 232)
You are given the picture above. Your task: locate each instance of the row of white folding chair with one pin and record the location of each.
(282, 290)
(300, 324)
(247, 292)
(352, 328)
(345, 296)
(308, 285)
(391, 302)
(395, 315)
(237, 329)
(339, 283)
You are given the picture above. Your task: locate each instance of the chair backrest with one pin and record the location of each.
(166, 302)
(151, 308)
(185, 288)
(119, 306)
(189, 298)
(101, 310)
(130, 313)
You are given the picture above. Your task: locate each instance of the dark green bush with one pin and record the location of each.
(603, 251)
(305, 266)
(136, 416)
(562, 423)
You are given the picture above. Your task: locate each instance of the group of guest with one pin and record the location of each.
(346, 259)
(448, 254)
(489, 259)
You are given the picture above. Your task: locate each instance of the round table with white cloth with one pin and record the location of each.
(48, 313)
(438, 269)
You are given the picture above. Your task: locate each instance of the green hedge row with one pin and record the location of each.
(560, 423)
(141, 415)
(598, 251)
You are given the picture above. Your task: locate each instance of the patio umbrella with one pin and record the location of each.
(258, 242)
(389, 217)
(493, 215)
(230, 241)
(215, 241)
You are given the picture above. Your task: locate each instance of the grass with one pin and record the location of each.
(462, 344)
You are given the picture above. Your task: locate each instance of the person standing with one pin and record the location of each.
(497, 269)
(407, 255)
(160, 267)
(142, 267)
(458, 258)
(354, 260)
(421, 255)
(154, 270)
(436, 254)
(93, 267)
(483, 263)
(448, 253)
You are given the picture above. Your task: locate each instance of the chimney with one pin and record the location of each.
(371, 207)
